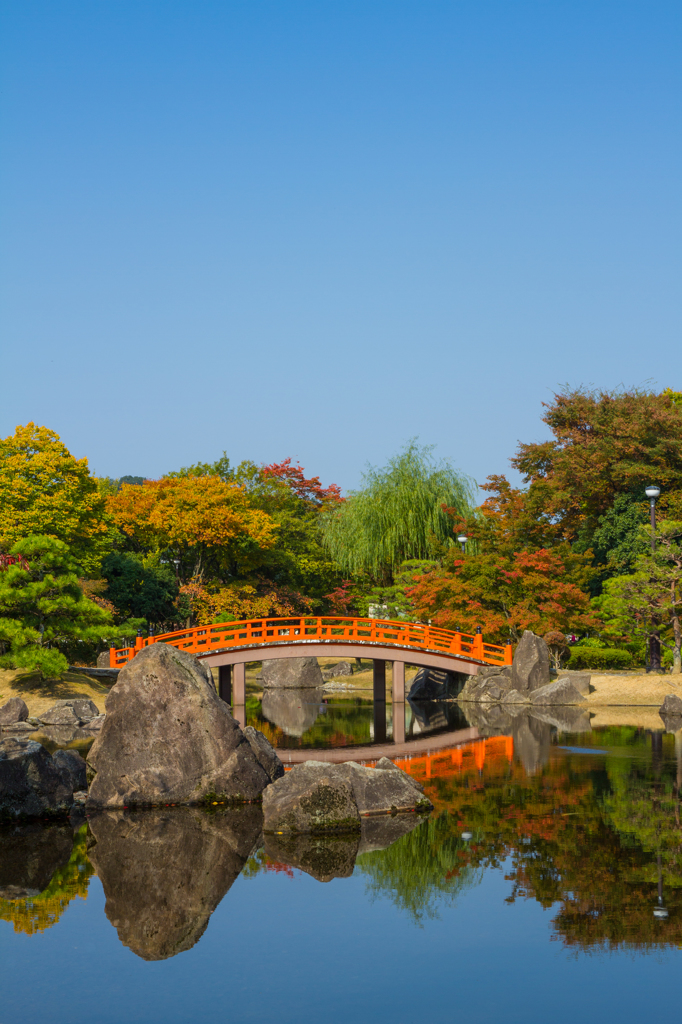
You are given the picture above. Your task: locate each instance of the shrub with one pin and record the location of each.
(599, 657)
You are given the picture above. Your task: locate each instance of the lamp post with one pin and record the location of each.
(652, 492)
(462, 538)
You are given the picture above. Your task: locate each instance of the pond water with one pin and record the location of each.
(546, 885)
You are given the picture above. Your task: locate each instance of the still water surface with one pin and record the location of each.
(546, 885)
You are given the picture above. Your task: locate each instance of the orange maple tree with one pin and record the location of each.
(194, 517)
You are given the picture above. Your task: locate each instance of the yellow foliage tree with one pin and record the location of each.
(45, 490)
(197, 518)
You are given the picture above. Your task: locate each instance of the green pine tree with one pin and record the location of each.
(43, 611)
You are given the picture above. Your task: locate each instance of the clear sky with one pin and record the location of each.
(320, 229)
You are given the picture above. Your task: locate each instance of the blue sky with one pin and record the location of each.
(320, 229)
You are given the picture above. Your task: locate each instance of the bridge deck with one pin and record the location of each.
(238, 642)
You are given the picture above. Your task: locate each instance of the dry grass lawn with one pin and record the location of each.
(41, 695)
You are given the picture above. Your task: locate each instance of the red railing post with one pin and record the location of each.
(477, 646)
(112, 657)
(508, 659)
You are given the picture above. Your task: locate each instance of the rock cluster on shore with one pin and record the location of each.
(526, 680)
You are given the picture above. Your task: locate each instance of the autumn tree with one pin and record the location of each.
(517, 573)
(290, 577)
(44, 490)
(44, 614)
(196, 521)
(604, 444)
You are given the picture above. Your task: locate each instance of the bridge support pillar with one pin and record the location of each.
(379, 680)
(225, 683)
(398, 722)
(239, 684)
(398, 681)
(239, 715)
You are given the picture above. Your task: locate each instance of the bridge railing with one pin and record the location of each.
(202, 640)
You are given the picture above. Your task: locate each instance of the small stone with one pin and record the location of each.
(96, 723)
(15, 710)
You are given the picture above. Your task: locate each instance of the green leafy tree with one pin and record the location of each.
(649, 600)
(141, 586)
(43, 612)
(399, 514)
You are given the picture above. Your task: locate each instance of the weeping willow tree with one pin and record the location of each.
(398, 514)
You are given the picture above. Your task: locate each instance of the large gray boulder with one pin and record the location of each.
(165, 872)
(297, 673)
(75, 712)
(266, 755)
(72, 767)
(561, 691)
(313, 797)
(169, 739)
(15, 710)
(31, 784)
(530, 668)
(293, 711)
(386, 789)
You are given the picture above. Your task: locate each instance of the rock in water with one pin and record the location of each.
(385, 789)
(672, 705)
(72, 767)
(562, 691)
(165, 872)
(312, 797)
(31, 784)
(169, 739)
(291, 672)
(530, 668)
(671, 712)
(15, 710)
(266, 755)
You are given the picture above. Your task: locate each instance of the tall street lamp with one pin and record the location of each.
(462, 538)
(652, 492)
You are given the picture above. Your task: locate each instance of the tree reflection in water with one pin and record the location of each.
(587, 834)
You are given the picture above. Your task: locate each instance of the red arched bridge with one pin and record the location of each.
(230, 645)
